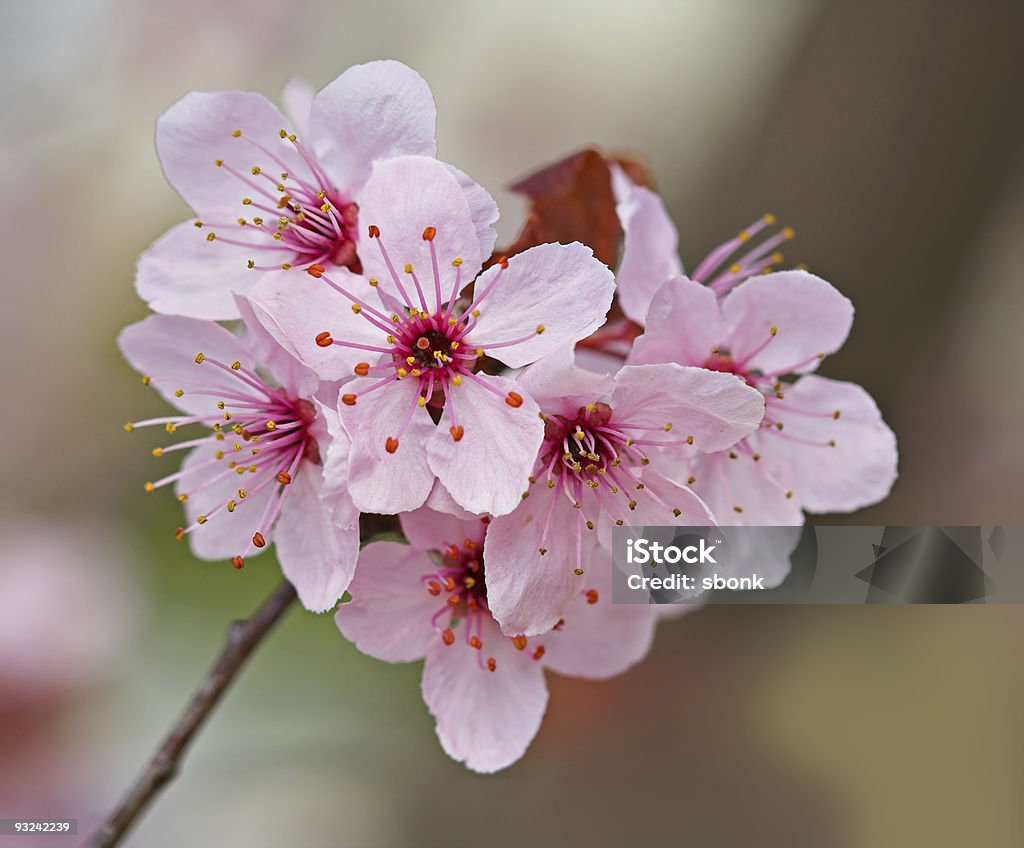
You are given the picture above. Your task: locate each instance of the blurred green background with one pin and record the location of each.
(889, 134)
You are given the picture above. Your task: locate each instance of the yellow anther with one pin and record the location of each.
(271, 425)
(479, 351)
(247, 201)
(475, 313)
(183, 497)
(668, 426)
(236, 133)
(743, 236)
(457, 379)
(149, 487)
(374, 282)
(219, 454)
(211, 236)
(201, 519)
(421, 401)
(356, 308)
(146, 379)
(456, 262)
(689, 440)
(232, 505)
(540, 329)
(158, 452)
(256, 170)
(788, 233)
(128, 426)
(774, 330)
(390, 338)
(250, 264)
(402, 373)
(170, 427)
(769, 219)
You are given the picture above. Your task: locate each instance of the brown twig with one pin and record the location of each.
(242, 639)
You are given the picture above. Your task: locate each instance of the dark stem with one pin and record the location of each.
(242, 639)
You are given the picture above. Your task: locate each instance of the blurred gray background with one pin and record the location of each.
(889, 134)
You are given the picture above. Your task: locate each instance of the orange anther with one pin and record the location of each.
(453, 600)
(539, 652)
(448, 636)
(514, 399)
(362, 369)
(503, 261)
(324, 339)
(429, 233)
(519, 642)
(391, 445)
(491, 663)
(258, 540)
(434, 587)
(592, 596)
(238, 562)
(348, 400)
(475, 642)
(315, 270)
(374, 231)
(457, 432)
(284, 478)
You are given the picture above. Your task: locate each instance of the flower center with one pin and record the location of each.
(459, 581)
(259, 435)
(433, 344)
(290, 217)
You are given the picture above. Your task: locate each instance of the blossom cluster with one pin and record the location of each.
(340, 337)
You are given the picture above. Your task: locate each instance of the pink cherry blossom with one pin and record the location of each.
(822, 446)
(607, 459)
(266, 198)
(416, 338)
(269, 467)
(429, 600)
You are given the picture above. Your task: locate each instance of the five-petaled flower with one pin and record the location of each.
(267, 199)
(822, 445)
(271, 467)
(608, 458)
(420, 407)
(429, 600)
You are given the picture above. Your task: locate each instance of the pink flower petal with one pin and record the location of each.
(433, 531)
(184, 274)
(684, 324)
(809, 315)
(297, 100)
(441, 500)
(226, 534)
(650, 252)
(383, 482)
(164, 347)
(199, 129)
(560, 290)
(485, 719)
(482, 208)
(727, 484)
(390, 611)
(859, 470)
(287, 371)
(403, 198)
(294, 308)
(716, 409)
(560, 386)
(599, 639)
(488, 469)
(528, 591)
(317, 546)
(372, 111)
